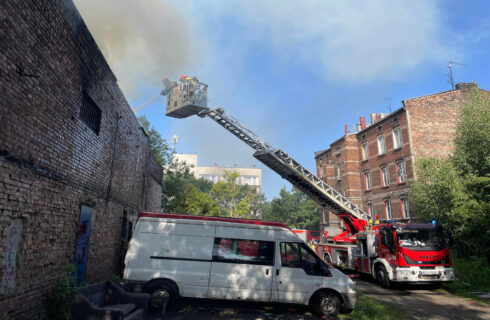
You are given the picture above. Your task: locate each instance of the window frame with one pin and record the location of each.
(385, 177)
(397, 138)
(388, 209)
(324, 270)
(217, 258)
(381, 152)
(401, 178)
(364, 151)
(405, 207)
(368, 181)
(370, 209)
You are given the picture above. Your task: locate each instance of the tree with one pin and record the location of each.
(158, 146)
(457, 191)
(235, 200)
(293, 208)
(180, 187)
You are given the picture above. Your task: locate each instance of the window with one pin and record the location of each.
(384, 177)
(337, 151)
(367, 180)
(299, 255)
(397, 138)
(365, 152)
(370, 208)
(388, 214)
(405, 208)
(243, 251)
(381, 145)
(401, 172)
(90, 113)
(338, 172)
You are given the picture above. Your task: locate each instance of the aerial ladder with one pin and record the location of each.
(363, 247)
(190, 98)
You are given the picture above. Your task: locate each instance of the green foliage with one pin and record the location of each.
(472, 275)
(472, 143)
(457, 191)
(158, 146)
(236, 201)
(370, 309)
(196, 202)
(294, 209)
(58, 303)
(180, 189)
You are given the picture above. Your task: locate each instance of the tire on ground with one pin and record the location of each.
(327, 304)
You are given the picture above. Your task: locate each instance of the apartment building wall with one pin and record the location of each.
(427, 127)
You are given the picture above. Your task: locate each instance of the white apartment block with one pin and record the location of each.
(247, 176)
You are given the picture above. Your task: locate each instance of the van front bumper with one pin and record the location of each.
(350, 300)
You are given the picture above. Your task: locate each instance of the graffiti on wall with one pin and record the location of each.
(14, 233)
(82, 242)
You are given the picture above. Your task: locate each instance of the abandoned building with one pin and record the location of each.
(75, 165)
(373, 166)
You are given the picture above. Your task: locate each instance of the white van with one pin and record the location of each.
(172, 255)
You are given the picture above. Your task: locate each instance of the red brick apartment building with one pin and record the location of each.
(373, 166)
(75, 165)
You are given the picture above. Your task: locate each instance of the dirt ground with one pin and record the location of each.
(426, 303)
(419, 302)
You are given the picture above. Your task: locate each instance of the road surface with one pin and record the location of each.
(424, 303)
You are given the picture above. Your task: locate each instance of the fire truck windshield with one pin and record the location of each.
(428, 239)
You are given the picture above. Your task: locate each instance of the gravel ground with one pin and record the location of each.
(422, 302)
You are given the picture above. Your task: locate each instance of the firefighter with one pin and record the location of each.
(376, 221)
(168, 86)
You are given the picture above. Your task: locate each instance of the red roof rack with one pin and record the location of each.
(190, 217)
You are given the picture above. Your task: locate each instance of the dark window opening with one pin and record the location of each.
(90, 113)
(243, 251)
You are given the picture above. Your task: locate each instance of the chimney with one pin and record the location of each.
(346, 130)
(358, 127)
(363, 123)
(466, 86)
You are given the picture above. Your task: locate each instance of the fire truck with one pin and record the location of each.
(308, 235)
(389, 251)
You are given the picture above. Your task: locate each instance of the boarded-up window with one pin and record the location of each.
(90, 113)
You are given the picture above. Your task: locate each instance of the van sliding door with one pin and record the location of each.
(241, 269)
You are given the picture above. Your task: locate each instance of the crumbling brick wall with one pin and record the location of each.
(68, 138)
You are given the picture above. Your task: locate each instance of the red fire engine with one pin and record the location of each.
(390, 252)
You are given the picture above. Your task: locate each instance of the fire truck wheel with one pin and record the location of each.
(327, 304)
(382, 277)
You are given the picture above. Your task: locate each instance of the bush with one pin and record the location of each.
(58, 303)
(472, 275)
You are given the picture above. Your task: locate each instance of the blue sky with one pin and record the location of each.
(294, 72)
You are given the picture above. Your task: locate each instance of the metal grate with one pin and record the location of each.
(90, 113)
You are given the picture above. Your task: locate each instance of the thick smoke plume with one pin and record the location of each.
(141, 40)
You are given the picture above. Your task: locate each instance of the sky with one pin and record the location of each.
(294, 72)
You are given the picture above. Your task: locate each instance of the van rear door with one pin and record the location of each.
(241, 269)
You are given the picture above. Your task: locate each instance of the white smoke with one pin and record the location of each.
(141, 40)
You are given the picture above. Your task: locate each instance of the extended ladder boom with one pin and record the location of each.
(287, 167)
(190, 98)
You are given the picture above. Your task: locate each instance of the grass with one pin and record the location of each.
(370, 309)
(472, 275)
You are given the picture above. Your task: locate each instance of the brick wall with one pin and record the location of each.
(379, 193)
(52, 161)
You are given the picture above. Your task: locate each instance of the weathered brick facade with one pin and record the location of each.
(68, 139)
(427, 127)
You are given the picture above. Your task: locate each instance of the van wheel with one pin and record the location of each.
(382, 277)
(327, 304)
(160, 295)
